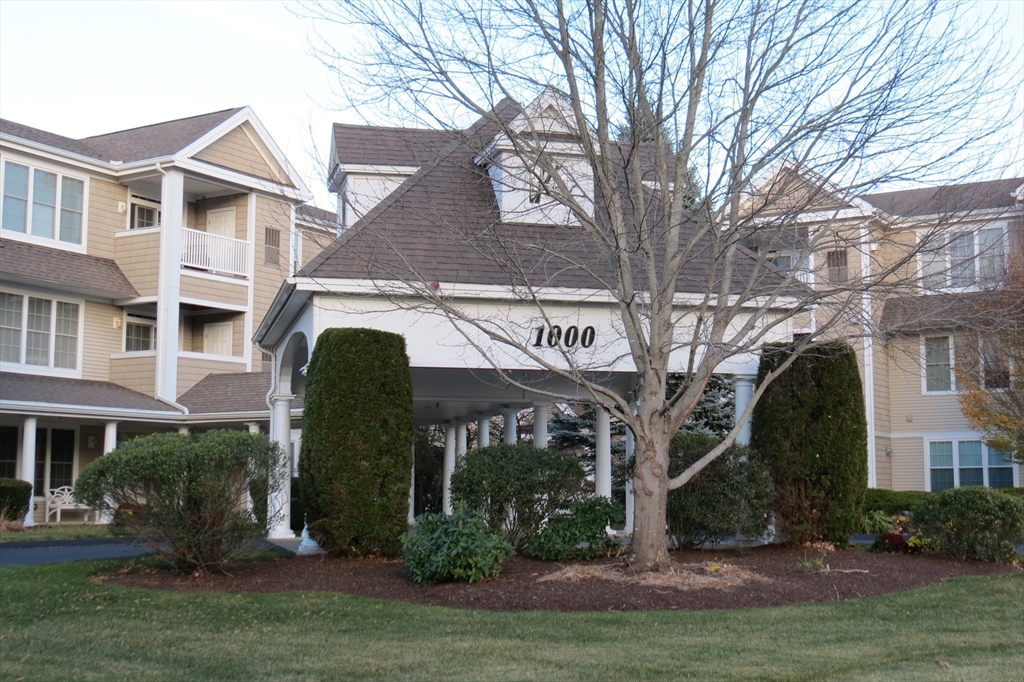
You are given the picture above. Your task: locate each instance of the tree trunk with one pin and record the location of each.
(650, 490)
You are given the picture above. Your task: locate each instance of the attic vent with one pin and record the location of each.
(272, 246)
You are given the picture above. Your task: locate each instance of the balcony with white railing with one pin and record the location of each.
(214, 253)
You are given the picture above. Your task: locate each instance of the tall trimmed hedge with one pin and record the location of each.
(357, 435)
(15, 496)
(811, 428)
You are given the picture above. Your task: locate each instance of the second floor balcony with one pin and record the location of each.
(214, 253)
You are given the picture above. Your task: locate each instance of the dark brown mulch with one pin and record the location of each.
(779, 579)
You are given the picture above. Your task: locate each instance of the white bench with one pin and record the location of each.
(62, 499)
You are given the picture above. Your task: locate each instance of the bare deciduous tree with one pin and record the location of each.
(712, 131)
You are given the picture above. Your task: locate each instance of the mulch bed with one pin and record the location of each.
(764, 576)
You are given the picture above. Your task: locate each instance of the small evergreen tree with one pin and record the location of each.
(811, 428)
(357, 435)
(715, 413)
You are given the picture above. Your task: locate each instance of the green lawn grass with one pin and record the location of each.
(57, 532)
(57, 624)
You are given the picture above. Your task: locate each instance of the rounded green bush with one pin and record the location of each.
(972, 523)
(579, 534)
(810, 426)
(191, 490)
(515, 488)
(893, 502)
(731, 495)
(15, 496)
(457, 547)
(357, 436)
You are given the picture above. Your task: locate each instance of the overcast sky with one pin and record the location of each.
(85, 68)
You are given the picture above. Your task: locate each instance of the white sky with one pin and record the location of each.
(85, 68)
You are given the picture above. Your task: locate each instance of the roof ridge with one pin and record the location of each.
(358, 126)
(160, 123)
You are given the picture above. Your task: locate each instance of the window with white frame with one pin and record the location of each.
(964, 260)
(789, 261)
(38, 331)
(139, 335)
(938, 363)
(144, 213)
(55, 459)
(42, 203)
(955, 463)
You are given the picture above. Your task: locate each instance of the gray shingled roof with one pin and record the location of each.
(977, 310)
(61, 391)
(136, 144)
(443, 224)
(227, 393)
(378, 146)
(65, 268)
(316, 215)
(972, 196)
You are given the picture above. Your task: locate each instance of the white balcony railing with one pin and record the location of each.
(214, 253)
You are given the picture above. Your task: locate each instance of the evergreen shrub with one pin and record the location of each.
(515, 488)
(810, 426)
(459, 547)
(579, 534)
(190, 490)
(357, 436)
(15, 496)
(731, 495)
(972, 523)
(893, 502)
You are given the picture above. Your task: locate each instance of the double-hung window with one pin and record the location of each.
(42, 203)
(955, 463)
(139, 335)
(938, 364)
(55, 459)
(962, 260)
(39, 331)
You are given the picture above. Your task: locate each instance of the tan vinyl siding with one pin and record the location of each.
(87, 455)
(136, 373)
(907, 464)
(105, 219)
(911, 409)
(138, 256)
(192, 370)
(238, 151)
(214, 291)
(883, 464)
(268, 278)
(238, 339)
(101, 338)
(313, 242)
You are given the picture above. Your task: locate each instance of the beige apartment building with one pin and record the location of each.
(933, 258)
(134, 268)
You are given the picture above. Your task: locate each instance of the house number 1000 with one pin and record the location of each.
(553, 335)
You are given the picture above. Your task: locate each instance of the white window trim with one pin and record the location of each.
(141, 321)
(924, 364)
(136, 200)
(48, 370)
(955, 438)
(34, 163)
(945, 236)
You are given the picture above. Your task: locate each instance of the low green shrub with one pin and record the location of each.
(515, 488)
(1016, 492)
(15, 496)
(580, 534)
(731, 495)
(893, 502)
(972, 523)
(189, 491)
(443, 548)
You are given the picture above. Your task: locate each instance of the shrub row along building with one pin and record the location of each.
(172, 277)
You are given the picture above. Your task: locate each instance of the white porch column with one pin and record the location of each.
(172, 202)
(603, 465)
(183, 430)
(540, 424)
(511, 433)
(460, 440)
(483, 432)
(630, 501)
(27, 470)
(279, 502)
(744, 386)
(109, 445)
(449, 467)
